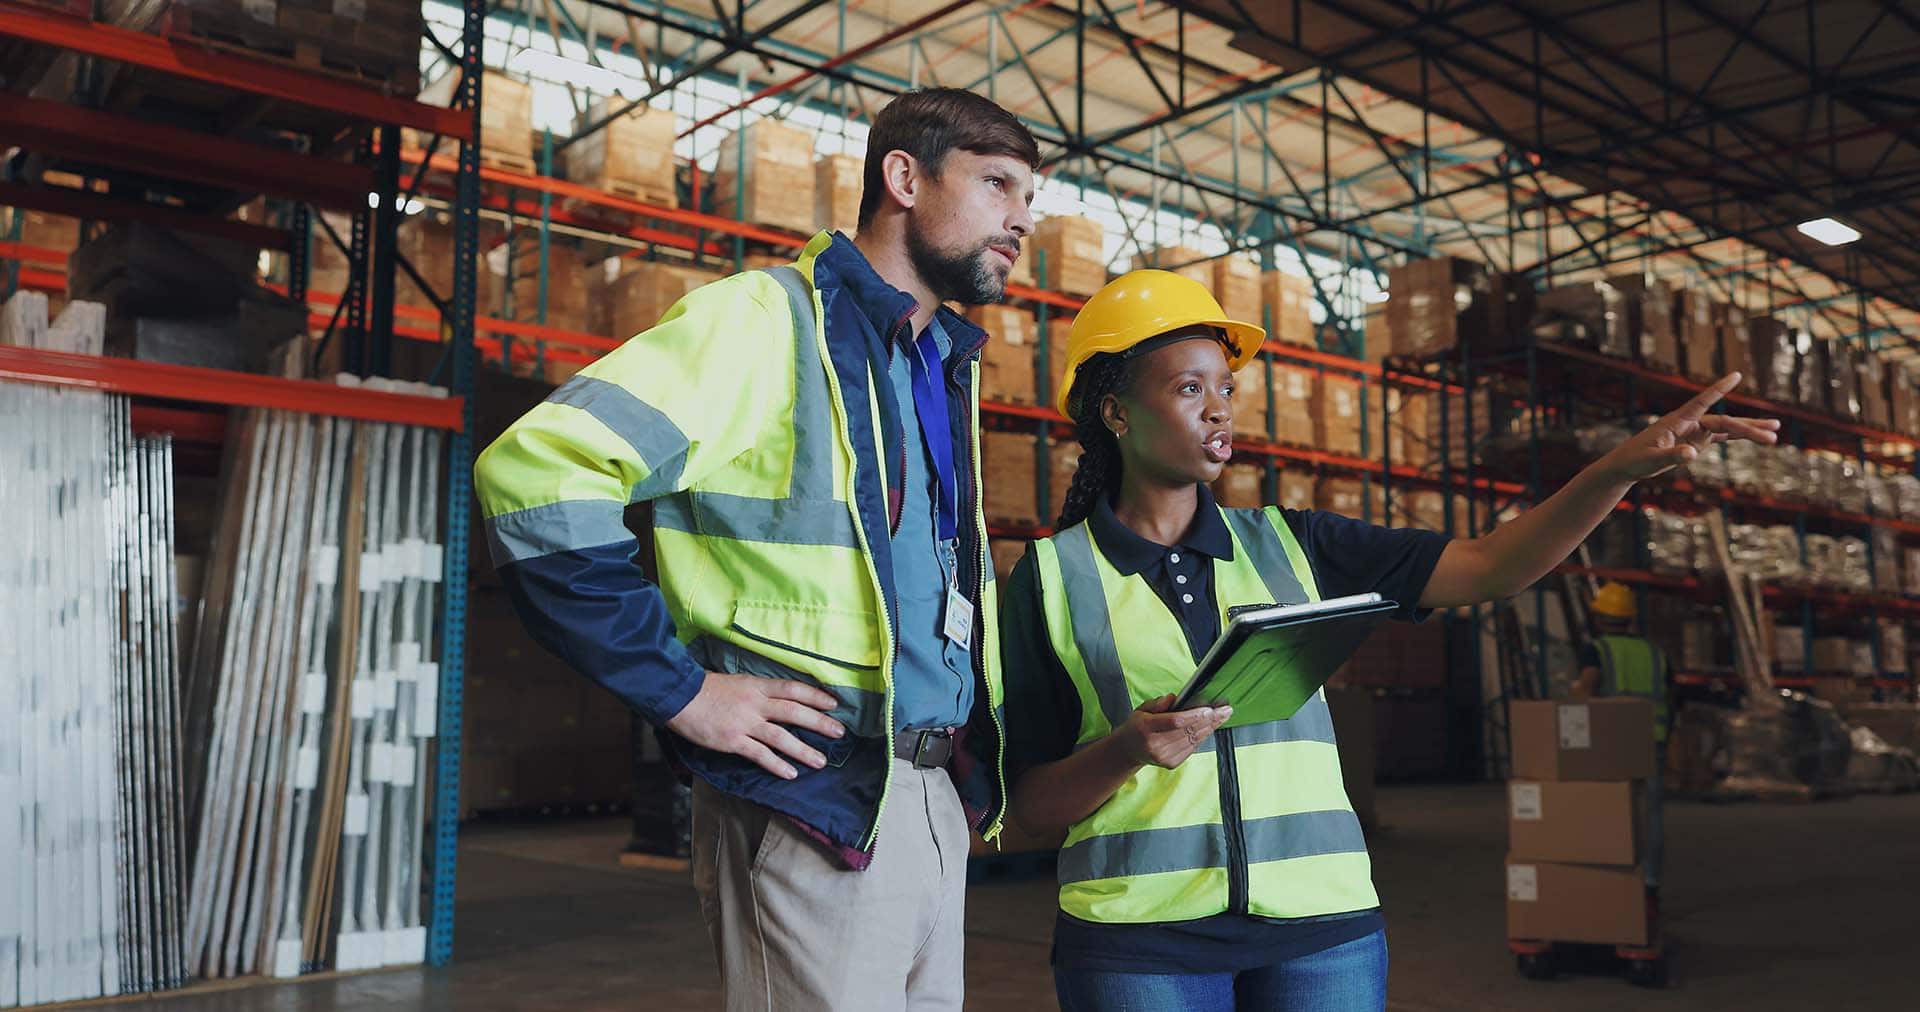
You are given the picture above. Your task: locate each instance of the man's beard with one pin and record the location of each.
(964, 277)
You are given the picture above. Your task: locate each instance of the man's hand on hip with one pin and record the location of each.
(743, 715)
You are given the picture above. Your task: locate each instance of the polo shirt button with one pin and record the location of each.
(1174, 558)
(1186, 599)
(1180, 579)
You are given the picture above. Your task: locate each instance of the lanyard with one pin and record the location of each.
(936, 430)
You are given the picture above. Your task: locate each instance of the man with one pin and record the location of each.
(821, 646)
(1618, 663)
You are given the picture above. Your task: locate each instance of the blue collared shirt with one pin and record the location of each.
(933, 678)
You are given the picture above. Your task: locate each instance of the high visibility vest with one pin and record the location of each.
(1257, 820)
(1632, 666)
(765, 563)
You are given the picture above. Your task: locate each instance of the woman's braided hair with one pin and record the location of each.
(1098, 473)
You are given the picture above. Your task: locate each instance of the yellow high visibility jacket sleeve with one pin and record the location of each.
(660, 414)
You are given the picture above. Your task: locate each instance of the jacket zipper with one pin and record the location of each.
(1236, 829)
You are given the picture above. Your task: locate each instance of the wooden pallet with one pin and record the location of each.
(508, 161)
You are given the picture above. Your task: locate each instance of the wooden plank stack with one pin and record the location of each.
(836, 192)
(1075, 251)
(764, 174)
(632, 156)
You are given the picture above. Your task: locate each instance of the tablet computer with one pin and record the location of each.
(1270, 659)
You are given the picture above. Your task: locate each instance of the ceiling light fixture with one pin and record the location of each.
(1830, 231)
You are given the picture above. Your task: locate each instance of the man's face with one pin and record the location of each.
(965, 227)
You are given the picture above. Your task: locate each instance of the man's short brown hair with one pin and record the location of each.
(930, 123)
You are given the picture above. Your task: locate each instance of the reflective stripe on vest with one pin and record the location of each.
(1161, 849)
(1632, 666)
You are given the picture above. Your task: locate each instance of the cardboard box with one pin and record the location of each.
(1574, 822)
(1337, 415)
(54, 233)
(1241, 486)
(1236, 283)
(1434, 304)
(1700, 319)
(1252, 417)
(1402, 430)
(1074, 249)
(1285, 299)
(1181, 260)
(1345, 496)
(763, 173)
(1875, 409)
(632, 156)
(1293, 388)
(1299, 489)
(1775, 359)
(567, 295)
(1009, 481)
(1576, 903)
(837, 183)
(1904, 398)
(644, 290)
(506, 119)
(1597, 739)
(1736, 350)
(1063, 459)
(1832, 655)
(1006, 363)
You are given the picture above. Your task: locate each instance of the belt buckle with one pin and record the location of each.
(920, 748)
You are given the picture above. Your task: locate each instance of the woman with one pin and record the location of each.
(1208, 867)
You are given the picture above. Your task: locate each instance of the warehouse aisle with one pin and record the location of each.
(1772, 907)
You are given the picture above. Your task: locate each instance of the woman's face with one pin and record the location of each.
(1175, 422)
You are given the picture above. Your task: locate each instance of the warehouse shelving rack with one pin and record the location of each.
(188, 399)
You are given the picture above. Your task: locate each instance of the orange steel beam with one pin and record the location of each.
(182, 58)
(84, 204)
(219, 386)
(129, 143)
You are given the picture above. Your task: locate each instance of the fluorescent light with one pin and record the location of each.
(1829, 231)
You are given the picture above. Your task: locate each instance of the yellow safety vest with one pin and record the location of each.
(1257, 821)
(762, 554)
(1632, 666)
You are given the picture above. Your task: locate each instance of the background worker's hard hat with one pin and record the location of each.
(1614, 600)
(1144, 304)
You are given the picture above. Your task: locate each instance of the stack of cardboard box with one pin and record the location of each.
(1075, 252)
(836, 192)
(1575, 821)
(506, 120)
(1009, 481)
(1774, 357)
(1875, 408)
(1182, 260)
(567, 298)
(763, 173)
(1433, 305)
(1402, 429)
(1903, 398)
(1353, 497)
(1241, 486)
(1251, 417)
(1006, 553)
(644, 290)
(632, 156)
(1736, 348)
(1063, 459)
(1298, 489)
(1286, 299)
(1293, 404)
(1700, 319)
(1649, 308)
(1006, 363)
(1236, 283)
(1337, 415)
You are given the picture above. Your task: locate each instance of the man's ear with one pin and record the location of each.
(900, 173)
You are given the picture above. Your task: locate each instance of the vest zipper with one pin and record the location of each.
(1230, 821)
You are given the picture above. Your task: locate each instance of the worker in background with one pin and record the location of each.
(820, 648)
(1618, 663)
(1208, 868)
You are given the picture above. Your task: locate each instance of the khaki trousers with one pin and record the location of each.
(796, 931)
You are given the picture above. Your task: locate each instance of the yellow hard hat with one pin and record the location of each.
(1144, 304)
(1613, 600)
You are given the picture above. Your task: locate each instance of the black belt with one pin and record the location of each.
(926, 750)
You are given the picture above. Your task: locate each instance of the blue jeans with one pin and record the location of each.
(1351, 977)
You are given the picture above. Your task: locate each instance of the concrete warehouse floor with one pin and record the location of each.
(1770, 907)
